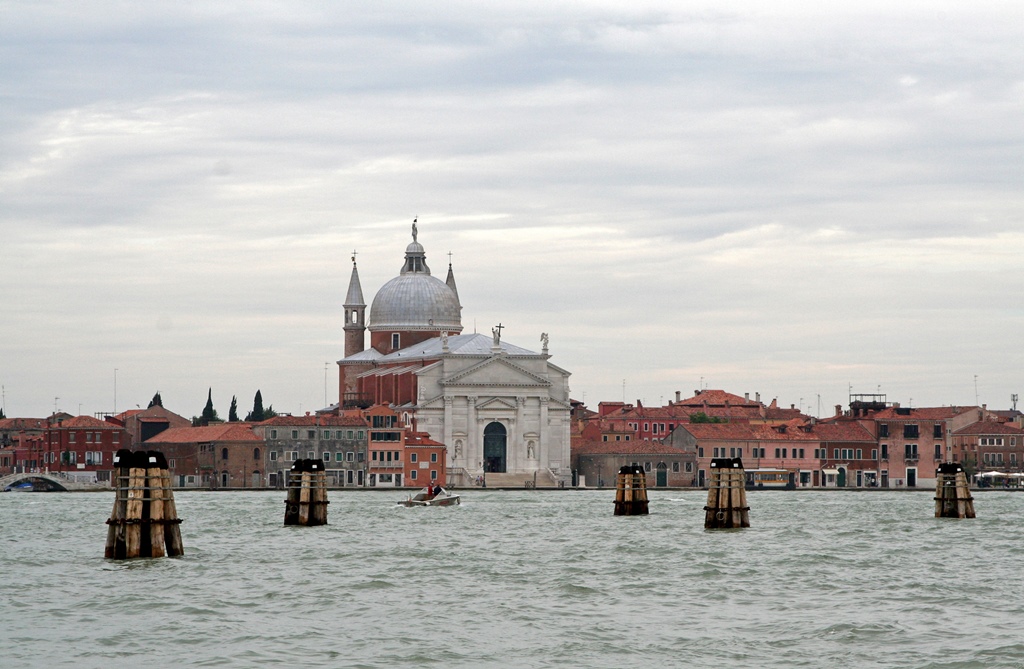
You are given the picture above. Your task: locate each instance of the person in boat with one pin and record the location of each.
(436, 491)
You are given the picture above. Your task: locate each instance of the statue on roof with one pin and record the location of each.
(415, 232)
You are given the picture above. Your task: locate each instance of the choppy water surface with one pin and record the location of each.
(520, 579)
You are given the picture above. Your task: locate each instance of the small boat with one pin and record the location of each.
(426, 497)
(24, 486)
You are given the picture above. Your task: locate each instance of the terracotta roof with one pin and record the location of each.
(420, 439)
(22, 423)
(777, 413)
(633, 447)
(730, 431)
(985, 427)
(922, 413)
(193, 435)
(313, 421)
(713, 397)
(87, 422)
(843, 431)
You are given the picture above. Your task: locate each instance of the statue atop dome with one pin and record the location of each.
(415, 232)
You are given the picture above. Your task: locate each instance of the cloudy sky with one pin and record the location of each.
(788, 198)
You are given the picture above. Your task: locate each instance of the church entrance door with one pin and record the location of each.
(495, 439)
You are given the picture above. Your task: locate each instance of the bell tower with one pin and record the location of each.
(355, 314)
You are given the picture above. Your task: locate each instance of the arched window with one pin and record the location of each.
(223, 454)
(256, 453)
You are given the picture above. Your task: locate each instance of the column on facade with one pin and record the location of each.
(447, 431)
(474, 450)
(543, 448)
(520, 429)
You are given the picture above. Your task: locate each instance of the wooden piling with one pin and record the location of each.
(631, 492)
(727, 495)
(116, 525)
(136, 495)
(306, 501)
(144, 522)
(952, 494)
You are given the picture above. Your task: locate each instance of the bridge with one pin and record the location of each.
(51, 481)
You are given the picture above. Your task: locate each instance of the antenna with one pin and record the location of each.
(1013, 398)
(975, 390)
(326, 366)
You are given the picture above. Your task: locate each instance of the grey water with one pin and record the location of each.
(520, 579)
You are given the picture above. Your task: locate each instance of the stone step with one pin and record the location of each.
(520, 480)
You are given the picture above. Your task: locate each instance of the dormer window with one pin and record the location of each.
(395, 340)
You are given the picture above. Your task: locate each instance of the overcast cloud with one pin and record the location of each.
(782, 198)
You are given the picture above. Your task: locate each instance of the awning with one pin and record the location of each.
(992, 474)
(834, 472)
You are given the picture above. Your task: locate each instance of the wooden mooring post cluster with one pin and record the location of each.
(727, 495)
(307, 494)
(631, 492)
(952, 494)
(144, 522)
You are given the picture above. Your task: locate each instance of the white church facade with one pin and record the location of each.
(502, 411)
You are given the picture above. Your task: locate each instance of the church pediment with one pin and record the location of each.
(496, 371)
(497, 403)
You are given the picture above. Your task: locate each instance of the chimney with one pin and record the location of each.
(839, 409)
(678, 393)
(792, 406)
(757, 397)
(746, 396)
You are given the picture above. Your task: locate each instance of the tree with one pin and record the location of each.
(269, 412)
(157, 401)
(233, 411)
(209, 413)
(2, 416)
(257, 414)
(701, 417)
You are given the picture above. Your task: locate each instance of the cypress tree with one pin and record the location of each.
(257, 414)
(209, 413)
(157, 401)
(233, 411)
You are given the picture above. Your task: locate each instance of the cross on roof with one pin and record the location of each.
(354, 254)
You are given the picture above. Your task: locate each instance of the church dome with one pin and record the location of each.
(415, 300)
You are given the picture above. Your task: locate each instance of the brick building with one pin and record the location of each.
(22, 444)
(425, 460)
(990, 445)
(597, 462)
(339, 440)
(83, 448)
(223, 455)
(144, 424)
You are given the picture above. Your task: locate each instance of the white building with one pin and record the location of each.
(501, 410)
